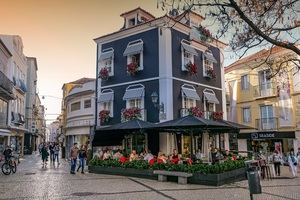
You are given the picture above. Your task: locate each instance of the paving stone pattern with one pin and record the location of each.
(55, 182)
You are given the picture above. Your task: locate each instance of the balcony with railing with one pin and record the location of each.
(267, 89)
(266, 124)
(6, 87)
(133, 113)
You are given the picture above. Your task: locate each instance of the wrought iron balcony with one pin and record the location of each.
(267, 124)
(6, 87)
(265, 90)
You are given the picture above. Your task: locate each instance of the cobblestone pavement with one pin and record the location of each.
(33, 182)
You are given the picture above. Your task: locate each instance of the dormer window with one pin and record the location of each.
(131, 22)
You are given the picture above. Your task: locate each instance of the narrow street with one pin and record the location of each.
(33, 182)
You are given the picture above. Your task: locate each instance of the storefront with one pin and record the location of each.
(267, 142)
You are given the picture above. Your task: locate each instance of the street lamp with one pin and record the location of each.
(154, 99)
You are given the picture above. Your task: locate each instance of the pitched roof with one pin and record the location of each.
(136, 9)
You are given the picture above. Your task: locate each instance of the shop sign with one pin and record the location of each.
(262, 135)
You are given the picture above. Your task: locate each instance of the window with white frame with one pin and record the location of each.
(134, 103)
(87, 103)
(134, 96)
(75, 106)
(245, 82)
(188, 103)
(187, 54)
(134, 53)
(106, 60)
(208, 65)
(246, 113)
(106, 101)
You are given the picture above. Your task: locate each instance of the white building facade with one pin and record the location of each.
(80, 104)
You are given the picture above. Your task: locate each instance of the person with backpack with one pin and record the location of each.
(293, 162)
(82, 157)
(7, 153)
(56, 153)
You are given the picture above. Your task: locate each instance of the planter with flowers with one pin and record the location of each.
(210, 72)
(205, 34)
(131, 113)
(217, 115)
(132, 68)
(104, 73)
(195, 111)
(104, 116)
(191, 68)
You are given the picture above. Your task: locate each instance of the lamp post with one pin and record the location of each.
(159, 106)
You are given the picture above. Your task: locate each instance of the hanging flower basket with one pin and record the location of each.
(205, 34)
(211, 73)
(191, 68)
(104, 73)
(195, 111)
(104, 116)
(217, 115)
(131, 113)
(132, 68)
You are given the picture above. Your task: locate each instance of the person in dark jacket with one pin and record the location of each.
(82, 155)
(45, 155)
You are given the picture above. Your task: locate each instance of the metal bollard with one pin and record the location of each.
(253, 183)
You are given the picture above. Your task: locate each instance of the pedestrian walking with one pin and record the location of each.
(82, 155)
(298, 157)
(45, 155)
(56, 153)
(277, 162)
(51, 149)
(73, 155)
(293, 162)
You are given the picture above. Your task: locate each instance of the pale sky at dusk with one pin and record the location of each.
(60, 33)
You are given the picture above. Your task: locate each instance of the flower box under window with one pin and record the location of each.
(104, 116)
(131, 113)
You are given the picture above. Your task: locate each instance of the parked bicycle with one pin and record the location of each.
(9, 166)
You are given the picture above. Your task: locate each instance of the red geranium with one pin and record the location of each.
(175, 161)
(131, 113)
(152, 161)
(123, 159)
(189, 161)
(132, 68)
(211, 73)
(192, 68)
(104, 116)
(217, 115)
(195, 111)
(104, 73)
(160, 161)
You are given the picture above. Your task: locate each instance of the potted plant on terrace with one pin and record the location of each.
(211, 73)
(195, 111)
(205, 33)
(191, 68)
(104, 116)
(131, 113)
(132, 68)
(104, 73)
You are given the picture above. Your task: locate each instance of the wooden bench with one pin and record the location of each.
(182, 176)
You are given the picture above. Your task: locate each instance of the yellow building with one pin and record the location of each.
(266, 99)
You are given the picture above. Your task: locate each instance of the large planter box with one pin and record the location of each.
(140, 173)
(197, 178)
(218, 179)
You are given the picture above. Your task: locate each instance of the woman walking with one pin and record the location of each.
(293, 162)
(277, 162)
(45, 155)
(82, 157)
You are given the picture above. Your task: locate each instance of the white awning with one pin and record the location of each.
(191, 94)
(133, 49)
(189, 49)
(210, 97)
(136, 93)
(4, 132)
(106, 97)
(210, 57)
(106, 55)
